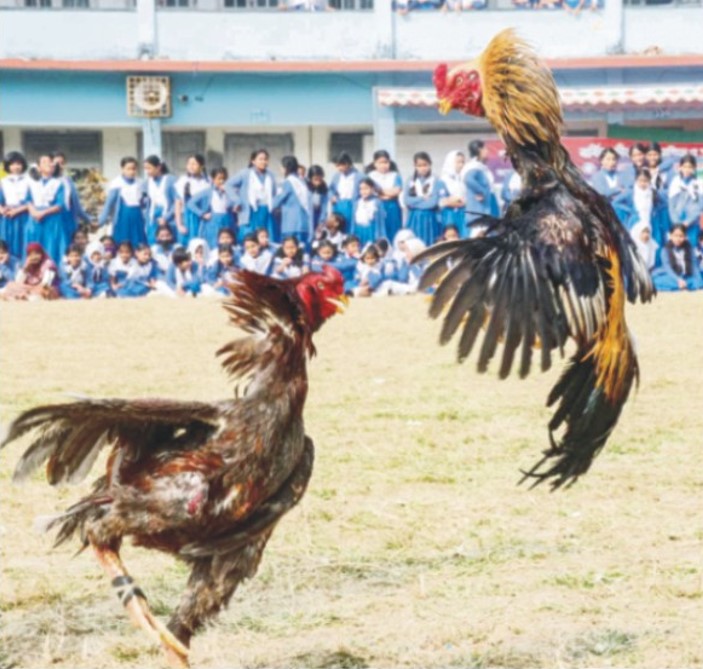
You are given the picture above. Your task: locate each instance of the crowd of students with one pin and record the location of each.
(571, 6)
(190, 235)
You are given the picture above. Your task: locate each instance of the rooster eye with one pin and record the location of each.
(460, 80)
(320, 285)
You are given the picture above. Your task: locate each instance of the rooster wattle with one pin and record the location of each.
(558, 265)
(204, 482)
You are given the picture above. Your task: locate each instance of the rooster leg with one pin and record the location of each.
(134, 601)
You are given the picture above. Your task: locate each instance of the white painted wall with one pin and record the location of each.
(675, 32)
(117, 143)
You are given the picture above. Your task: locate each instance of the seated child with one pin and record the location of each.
(37, 279)
(74, 275)
(8, 265)
(109, 249)
(265, 243)
(347, 260)
(325, 255)
(199, 253)
(98, 279)
(254, 258)
(369, 274)
(331, 231)
(162, 250)
(648, 249)
(225, 237)
(679, 270)
(120, 266)
(142, 276)
(223, 270)
(290, 261)
(181, 277)
(79, 239)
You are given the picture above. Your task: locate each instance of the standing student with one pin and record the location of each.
(344, 189)
(253, 190)
(479, 184)
(609, 182)
(214, 208)
(512, 187)
(660, 171)
(389, 185)
(189, 185)
(161, 194)
(319, 193)
(369, 222)
(679, 270)
(453, 202)
(638, 155)
(421, 196)
(290, 261)
(644, 205)
(46, 211)
(14, 203)
(295, 202)
(74, 214)
(124, 205)
(686, 199)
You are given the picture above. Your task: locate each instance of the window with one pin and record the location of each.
(239, 146)
(83, 149)
(347, 142)
(37, 3)
(177, 3)
(251, 4)
(351, 4)
(75, 4)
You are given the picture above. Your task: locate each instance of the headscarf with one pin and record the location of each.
(415, 246)
(94, 247)
(401, 236)
(194, 244)
(647, 250)
(451, 178)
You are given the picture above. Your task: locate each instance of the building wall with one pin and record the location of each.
(361, 35)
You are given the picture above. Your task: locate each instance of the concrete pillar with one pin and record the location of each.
(384, 126)
(151, 133)
(614, 20)
(147, 47)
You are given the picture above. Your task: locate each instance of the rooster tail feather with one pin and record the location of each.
(589, 405)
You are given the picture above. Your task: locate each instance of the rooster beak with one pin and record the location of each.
(445, 106)
(341, 304)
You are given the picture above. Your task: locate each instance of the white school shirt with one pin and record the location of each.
(15, 189)
(44, 192)
(130, 193)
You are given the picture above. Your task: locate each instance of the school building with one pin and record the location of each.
(101, 79)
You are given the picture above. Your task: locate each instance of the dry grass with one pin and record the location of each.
(413, 546)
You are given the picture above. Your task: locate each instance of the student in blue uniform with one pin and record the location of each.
(46, 211)
(686, 198)
(14, 203)
(330, 230)
(8, 265)
(265, 243)
(369, 222)
(125, 205)
(214, 208)
(199, 252)
(223, 270)
(74, 213)
(253, 189)
(74, 276)
(347, 260)
(511, 188)
(369, 274)
(254, 258)
(191, 184)
(121, 266)
(142, 276)
(389, 186)
(659, 168)
(290, 261)
(453, 200)
(642, 204)
(421, 196)
(637, 154)
(679, 270)
(344, 189)
(478, 181)
(98, 279)
(161, 198)
(162, 250)
(182, 278)
(320, 195)
(295, 202)
(609, 183)
(325, 254)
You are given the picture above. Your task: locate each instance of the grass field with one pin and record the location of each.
(413, 546)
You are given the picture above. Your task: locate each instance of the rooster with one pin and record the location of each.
(204, 482)
(558, 265)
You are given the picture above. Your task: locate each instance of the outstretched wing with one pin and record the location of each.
(69, 437)
(534, 282)
(268, 310)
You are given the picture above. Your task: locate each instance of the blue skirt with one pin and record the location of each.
(346, 209)
(455, 216)
(209, 230)
(365, 233)
(13, 231)
(423, 223)
(133, 289)
(394, 218)
(191, 222)
(129, 226)
(50, 232)
(70, 225)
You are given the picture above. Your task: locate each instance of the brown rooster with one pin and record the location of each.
(204, 482)
(558, 265)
